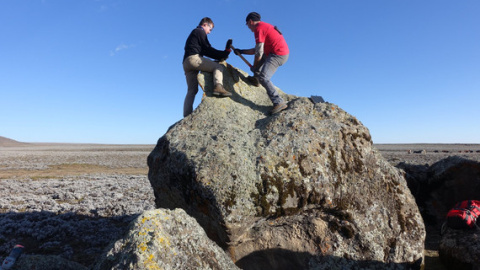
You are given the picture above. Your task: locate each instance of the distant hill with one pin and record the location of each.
(6, 142)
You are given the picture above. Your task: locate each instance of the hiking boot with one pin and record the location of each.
(253, 80)
(279, 107)
(220, 91)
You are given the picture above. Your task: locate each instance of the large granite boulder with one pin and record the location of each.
(164, 239)
(301, 189)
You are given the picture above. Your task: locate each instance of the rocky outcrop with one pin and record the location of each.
(452, 180)
(301, 189)
(456, 179)
(164, 239)
(437, 188)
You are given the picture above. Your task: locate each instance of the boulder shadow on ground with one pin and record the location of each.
(281, 259)
(74, 237)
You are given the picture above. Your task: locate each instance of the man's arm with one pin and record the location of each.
(207, 49)
(258, 53)
(248, 51)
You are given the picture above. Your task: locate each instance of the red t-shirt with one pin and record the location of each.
(273, 41)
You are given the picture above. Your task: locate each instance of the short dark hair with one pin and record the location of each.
(206, 20)
(254, 16)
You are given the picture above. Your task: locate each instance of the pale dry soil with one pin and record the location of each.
(72, 200)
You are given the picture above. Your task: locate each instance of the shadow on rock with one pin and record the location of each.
(175, 186)
(236, 82)
(281, 259)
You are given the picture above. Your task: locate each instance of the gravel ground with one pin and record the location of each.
(71, 211)
(73, 200)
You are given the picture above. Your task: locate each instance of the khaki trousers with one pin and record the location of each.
(192, 65)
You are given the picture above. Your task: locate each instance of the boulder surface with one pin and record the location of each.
(460, 249)
(301, 189)
(164, 239)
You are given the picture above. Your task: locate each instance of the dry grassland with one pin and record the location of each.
(63, 170)
(37, 161)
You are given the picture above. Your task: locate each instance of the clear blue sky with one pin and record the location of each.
(109, 71)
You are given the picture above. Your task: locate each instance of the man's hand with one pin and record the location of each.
(228, 45)
(224, 56)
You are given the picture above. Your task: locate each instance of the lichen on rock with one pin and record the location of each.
(305, 184)
(164, 239)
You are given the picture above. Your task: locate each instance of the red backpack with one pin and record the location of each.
(464, 215)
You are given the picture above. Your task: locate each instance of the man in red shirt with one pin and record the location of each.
(271, 51)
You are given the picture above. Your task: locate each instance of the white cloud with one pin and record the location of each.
(119, 48)
(103, 8)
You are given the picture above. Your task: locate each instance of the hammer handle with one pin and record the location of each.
(241, 56)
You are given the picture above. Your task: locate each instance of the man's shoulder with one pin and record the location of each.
(262, 28)
(262, 24)
(198, 31)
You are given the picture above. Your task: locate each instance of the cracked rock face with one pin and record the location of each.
(303, 188)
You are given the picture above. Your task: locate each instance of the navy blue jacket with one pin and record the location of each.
(197, 43)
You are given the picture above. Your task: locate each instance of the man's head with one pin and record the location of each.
(254, 16)
(252, 19)
(207, 24)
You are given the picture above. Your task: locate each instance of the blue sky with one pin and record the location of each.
(109, 71)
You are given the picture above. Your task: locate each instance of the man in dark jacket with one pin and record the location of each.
(196, 47)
